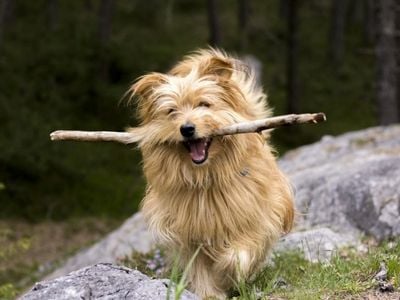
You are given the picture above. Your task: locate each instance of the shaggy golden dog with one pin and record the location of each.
(223, 194)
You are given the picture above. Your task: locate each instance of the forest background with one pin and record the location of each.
(67, 65)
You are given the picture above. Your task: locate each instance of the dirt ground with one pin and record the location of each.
(29, 251)
(375, 295)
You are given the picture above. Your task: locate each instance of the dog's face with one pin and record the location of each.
(182, 109)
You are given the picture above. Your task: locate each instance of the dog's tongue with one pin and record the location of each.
(198, 149)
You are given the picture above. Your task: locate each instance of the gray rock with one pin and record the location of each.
(350, 183)
(318, 245)
(104, 281)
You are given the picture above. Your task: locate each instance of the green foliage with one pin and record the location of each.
(11, 246)
(65, 78)
(7, 291)
(180, 280)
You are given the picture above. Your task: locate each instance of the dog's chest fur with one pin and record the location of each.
(214, 207)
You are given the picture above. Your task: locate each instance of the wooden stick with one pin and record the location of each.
(91, 136)
(269, 123)
(244, 127)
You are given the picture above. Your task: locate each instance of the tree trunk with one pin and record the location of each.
(6, 16)
(387, 78)
(169, 13)
(213, 23)
(398, 57)
(243, 18)
(355, 11)
(105, 15)
(88, 5)
(338, 19)
(104, 33)
(283, 8)
(293, 105)
(52, 10)
(2, 19)
(369, 24)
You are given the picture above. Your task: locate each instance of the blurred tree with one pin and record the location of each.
(355, 10)
(243, 18)
(283, 8)
(6, 15)
(338, 19)
(213, 23)
(398, 55)
(88, 5)
(169, 9)
(292, 60)
(386, 61)
(105, 18)
(52, 11)
(104, 32)
(369, 24)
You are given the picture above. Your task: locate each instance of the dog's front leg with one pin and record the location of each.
(204, 281)
(235, 265)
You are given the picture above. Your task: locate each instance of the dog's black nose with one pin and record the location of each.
(188, 130)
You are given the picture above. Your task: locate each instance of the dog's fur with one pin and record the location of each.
(236, 203)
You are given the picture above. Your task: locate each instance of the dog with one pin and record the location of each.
(222, 198)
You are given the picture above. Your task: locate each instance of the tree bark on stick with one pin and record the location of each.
(244, 127)
(91, 136)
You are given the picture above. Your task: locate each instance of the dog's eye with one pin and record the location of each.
(171, 111)
(204, 104)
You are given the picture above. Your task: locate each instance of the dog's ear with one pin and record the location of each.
(142, 90)
(145, 84)
(222, 67)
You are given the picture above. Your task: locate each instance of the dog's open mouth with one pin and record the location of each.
(198, 149)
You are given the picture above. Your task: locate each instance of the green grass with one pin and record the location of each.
(8, 291)
(9, 276)
(179, 279)
(290, 276)
(348, 273)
